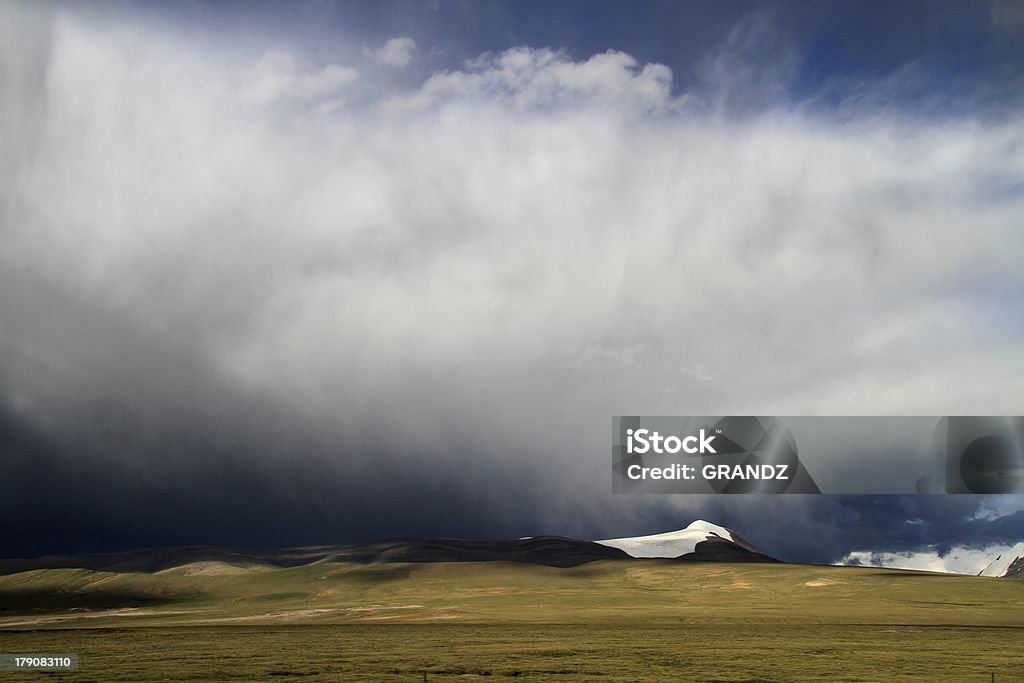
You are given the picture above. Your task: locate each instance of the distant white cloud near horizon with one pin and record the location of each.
(958, 560)
(355, 249)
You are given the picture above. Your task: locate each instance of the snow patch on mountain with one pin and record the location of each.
(1001, 565)
(675, 543)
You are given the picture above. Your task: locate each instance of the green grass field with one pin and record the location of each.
(606, 621)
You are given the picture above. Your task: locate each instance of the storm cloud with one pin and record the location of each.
(251, 297)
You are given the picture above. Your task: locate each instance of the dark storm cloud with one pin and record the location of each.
(259, 297)
(117, 437)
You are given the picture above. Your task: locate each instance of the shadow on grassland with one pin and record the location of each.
(905, 574)
(18, 602)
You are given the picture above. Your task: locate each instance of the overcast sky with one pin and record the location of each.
(274, 274)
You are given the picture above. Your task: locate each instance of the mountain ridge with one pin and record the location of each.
(552, 551)
(701, 541)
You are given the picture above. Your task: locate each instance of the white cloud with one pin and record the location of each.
(526, 78)
(372, 260)
(959, 560)
(397, 52)
(997, 507)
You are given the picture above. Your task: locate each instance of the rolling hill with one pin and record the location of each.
(610, 620)
(700, 541)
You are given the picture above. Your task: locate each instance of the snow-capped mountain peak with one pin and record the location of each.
(681, 542)
(703, 525)
(1010, 563)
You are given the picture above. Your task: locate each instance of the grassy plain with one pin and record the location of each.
(605, 621)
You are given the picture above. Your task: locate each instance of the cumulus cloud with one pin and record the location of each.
(398, 52)
(379, 291)
(526, 78)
